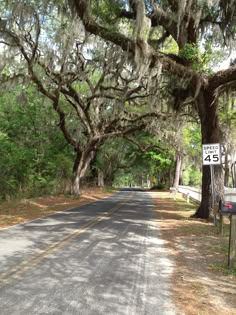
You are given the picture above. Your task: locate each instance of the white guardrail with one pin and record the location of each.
(196, 194)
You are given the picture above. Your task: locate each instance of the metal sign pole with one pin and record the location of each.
(213, 192)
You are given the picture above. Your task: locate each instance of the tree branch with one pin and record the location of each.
(62, 123)
(82, 8)
(142, 149)
(223, 77)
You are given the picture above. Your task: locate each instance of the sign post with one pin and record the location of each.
(211, 155)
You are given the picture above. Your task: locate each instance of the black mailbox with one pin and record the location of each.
(228, 207)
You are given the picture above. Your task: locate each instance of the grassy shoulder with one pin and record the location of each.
(19, 211)
(202, 283)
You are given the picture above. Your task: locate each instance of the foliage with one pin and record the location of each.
(160, 187)
(106, 10)
(76, 75)
(192, 140)
(34, 157)
(193, 155)
(96, 91)
(201, 59)
(191, 176)
(124, 163)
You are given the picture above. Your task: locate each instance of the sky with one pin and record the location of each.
(225, 64)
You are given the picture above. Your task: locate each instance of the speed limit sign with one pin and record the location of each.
(211, 154)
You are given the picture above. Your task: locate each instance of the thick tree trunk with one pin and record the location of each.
(204, 209)
(80, 167)
(210, 134)
(177, 170)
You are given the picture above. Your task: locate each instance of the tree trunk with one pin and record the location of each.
(207, 108)
(226, 176)
(233, 172)
(204, 209)
(177, 170)
(219, 183)
(109, 175)
(100, 178)
(181, 174)
(80, 167)
(75, 187)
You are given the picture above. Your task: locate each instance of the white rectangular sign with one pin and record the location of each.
(211, 154)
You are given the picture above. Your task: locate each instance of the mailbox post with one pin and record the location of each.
(229, 208)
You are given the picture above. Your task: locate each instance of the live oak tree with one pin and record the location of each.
(94, 91)
(150, 24)
(128, 23)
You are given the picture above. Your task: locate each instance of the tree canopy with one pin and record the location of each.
(110, 68)
(190, 24)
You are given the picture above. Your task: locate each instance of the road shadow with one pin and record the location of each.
(117, 266)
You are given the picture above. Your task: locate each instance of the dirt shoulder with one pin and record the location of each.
(19, 211)
(202, 284)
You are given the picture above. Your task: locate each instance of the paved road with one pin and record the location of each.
(102, 258)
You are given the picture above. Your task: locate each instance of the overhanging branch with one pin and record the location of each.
(140, 147)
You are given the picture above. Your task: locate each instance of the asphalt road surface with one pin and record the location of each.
(105, 258)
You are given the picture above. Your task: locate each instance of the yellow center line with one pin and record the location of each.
(35, 259)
